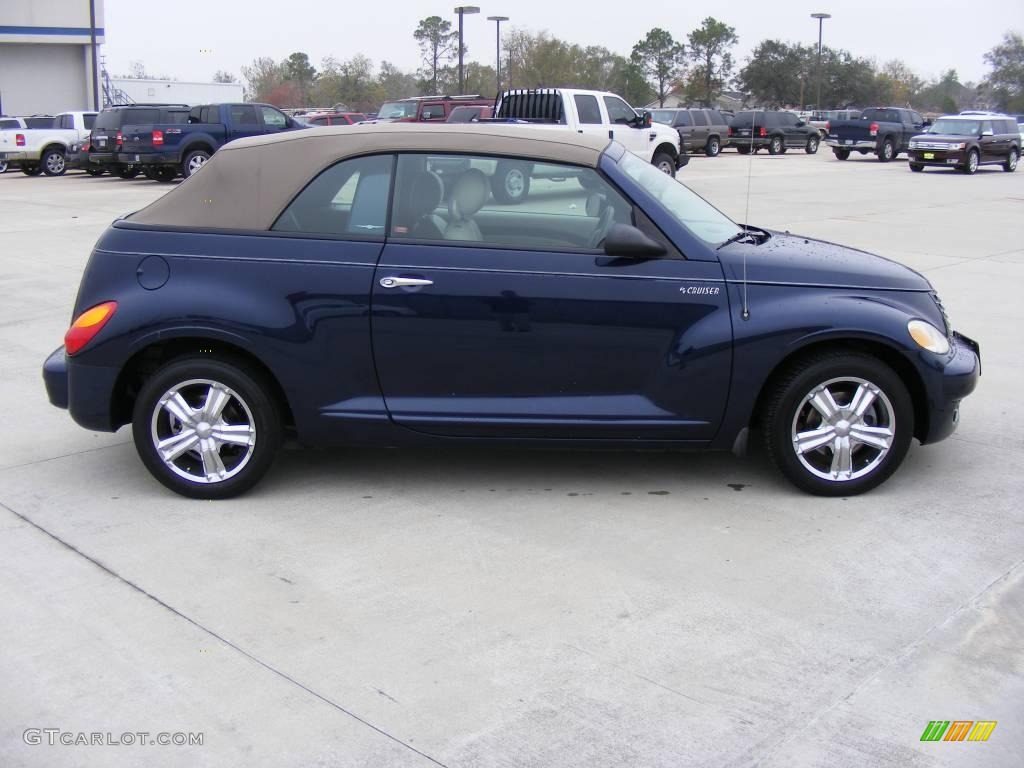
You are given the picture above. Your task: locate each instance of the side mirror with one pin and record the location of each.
(628, 242)
(800, 123)
(927, 123)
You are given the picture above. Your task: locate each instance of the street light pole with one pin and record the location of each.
(821, 20)
(463, 10)
(497, 42)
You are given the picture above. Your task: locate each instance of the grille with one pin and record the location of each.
(930, 145)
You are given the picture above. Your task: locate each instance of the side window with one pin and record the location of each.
(618, 111)
(916, 117)
(432, 112)
(699, 118)
(273, 119)
(683, 118)
(194, 114)
(716, 117)
(986, 125)
(348, 199)
(448, 199)
(244, 115)
(319, 121)
(4, 124)
(208, 115)
(66, 121)
(89, 121)
(590, 113)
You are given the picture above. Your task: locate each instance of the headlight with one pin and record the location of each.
(928, 337)
(961, 145)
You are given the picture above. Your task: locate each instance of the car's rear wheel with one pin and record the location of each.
(94, 170)
(128, 171)
(511, 183)
(916, 167)
(838, 423)
(193, 161)
(1011, 161)
(776, 146)
(713, 147)
(887, 151)
(53, 162)
(973, 160)
(3, 166)
(31, 169)
(841, 154)
(206, 428)
(743, 150)
(812, 145)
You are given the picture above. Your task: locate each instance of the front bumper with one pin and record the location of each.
(948, 385)
(84, 390)
(938, 157)
(850, 144)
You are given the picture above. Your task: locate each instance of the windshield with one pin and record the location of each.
(687, 207)
(665, 116)
(956, 127)
(394, 110)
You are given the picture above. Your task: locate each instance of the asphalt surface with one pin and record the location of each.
(508, 608)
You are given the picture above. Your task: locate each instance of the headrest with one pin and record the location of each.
(595, 204)
(424, 194)
(469, 194)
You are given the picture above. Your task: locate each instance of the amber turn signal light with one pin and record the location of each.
(87, 325)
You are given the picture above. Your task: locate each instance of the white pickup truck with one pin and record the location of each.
(44, 150)
(587, 112)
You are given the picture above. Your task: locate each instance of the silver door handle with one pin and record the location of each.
(400, 282)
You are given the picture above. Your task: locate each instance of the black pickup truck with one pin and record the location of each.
(886, 131)
(163, 150)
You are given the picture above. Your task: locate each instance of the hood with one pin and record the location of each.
(793, 260)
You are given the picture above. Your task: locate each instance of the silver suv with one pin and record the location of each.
(700, 130)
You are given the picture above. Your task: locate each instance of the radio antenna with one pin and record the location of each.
(745, 314)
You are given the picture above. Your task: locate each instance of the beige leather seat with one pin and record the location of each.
(468, 196)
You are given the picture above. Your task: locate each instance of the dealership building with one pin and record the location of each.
(47, 61)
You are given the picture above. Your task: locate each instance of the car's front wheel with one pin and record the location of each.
(812, 145)
(206, 428)
(838, 424)
(664, 163)
(973, 161)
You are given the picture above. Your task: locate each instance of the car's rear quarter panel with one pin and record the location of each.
(300, 307)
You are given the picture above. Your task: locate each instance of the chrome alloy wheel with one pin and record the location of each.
(195, 163)
(515, 183)
(665, 166)
(55, 163)
(203, 431)
(843, 429)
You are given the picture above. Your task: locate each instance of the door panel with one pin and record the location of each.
(491, 342)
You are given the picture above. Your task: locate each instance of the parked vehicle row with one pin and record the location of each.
(44, 149)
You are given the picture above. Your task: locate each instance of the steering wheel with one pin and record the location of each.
(604, 223)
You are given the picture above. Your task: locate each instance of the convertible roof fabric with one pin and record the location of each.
(250, 181)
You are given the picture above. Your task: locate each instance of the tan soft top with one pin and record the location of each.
(250, 181)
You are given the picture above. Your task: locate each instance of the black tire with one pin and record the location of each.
(841, 154)
(94, 170)
(53, 162)
(916, 167)
(193, 161)
(813, 142)
(971, 166)
(3, 166)
(164, 174)
(776, 146)
(511, 183)
(1011, 161)
(743, 150)
(713, 147)
(887, 151)
(128, 171)
(31, 169)
(787, 411)
(665, 163)
(250, 403)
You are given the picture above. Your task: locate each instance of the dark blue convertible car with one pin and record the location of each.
(360, 285)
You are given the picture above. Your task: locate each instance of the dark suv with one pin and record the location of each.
(965, 142)
(774, 131)
(105, 141)
(700, 130)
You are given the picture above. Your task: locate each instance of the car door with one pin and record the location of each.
(684, 125)
(589, 117)
(794, 134)
(274, 121)
(244, 120)
(510, 321)
(987, 142)
(700, 128)
(622, 126)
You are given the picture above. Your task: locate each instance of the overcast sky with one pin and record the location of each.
(929, 35)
